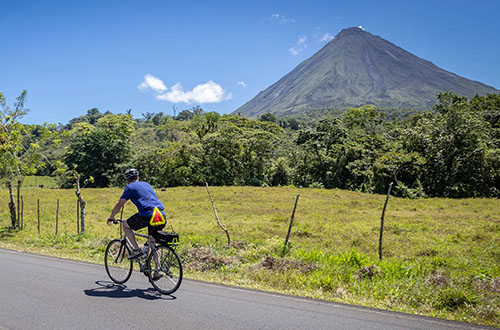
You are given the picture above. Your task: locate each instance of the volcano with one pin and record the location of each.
(357, 68)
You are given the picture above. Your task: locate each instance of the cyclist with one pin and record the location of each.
(150, 209)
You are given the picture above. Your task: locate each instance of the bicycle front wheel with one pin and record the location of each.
(118, 266)
(166, 270)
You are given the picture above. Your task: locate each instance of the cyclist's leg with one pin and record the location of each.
(130, 235)
(151, 232)
(135, 222)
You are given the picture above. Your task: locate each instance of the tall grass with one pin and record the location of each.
(441, 256)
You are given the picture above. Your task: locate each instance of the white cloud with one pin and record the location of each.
(282, 19)
(299, 47)
(361, 27)
(242, 84)
(152, 82)
(294, 51)
(209, 92)
(326, 37)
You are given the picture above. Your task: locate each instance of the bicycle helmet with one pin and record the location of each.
(131, 174)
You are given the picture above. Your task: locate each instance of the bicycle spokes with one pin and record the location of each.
(166, 273)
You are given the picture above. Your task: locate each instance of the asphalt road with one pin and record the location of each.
(38, 292)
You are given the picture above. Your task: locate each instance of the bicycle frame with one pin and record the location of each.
(151, 245)
(151, 249)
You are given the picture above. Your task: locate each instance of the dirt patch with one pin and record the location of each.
(282, 264)
(205, 259)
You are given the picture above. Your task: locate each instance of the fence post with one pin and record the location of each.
(382, 223)
(291, 223)
(22, 212)
(38, 214)
(57, 217)
(78, 217)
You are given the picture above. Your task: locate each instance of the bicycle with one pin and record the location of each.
(161, 265)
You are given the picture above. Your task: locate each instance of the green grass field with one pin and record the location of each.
(441, 256)
(39, 182)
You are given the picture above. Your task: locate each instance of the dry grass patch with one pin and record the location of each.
(205, 259)
(282, 264)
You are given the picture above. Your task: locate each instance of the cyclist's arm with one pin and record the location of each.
(117, 209)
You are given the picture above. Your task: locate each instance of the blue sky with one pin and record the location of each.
(149, 56)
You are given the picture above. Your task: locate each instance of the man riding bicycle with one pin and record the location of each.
(150, 209)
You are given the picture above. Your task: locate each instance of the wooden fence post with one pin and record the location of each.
(38, 214)
(78, 217)
(57, 217)
(19, 203)
(22, 212)
(291, 223)
(382, 223)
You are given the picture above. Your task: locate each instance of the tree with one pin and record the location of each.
(202, 125)
(323, 158)
(468, 153)
(81, 201)
(148, 116)
(159, 118)
(11, 165)
(268, 117)
(103, 150)
(460, 146)
(238, 151)
(92, 116)
(185, 115)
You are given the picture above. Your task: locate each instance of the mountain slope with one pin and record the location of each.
(358, 68)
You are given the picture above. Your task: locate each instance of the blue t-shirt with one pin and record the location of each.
(143, 196)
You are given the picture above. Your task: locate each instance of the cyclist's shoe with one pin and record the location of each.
(136, 254)
(157, 276)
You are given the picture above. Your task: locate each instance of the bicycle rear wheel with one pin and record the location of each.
(118, 266)
(166, 269)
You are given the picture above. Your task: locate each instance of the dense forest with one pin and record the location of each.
(452, 150)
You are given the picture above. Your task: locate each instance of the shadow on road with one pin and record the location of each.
(111, 290)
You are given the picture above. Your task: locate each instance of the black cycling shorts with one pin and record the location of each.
(137, 222)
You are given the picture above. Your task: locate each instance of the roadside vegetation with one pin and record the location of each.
(441, 257)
